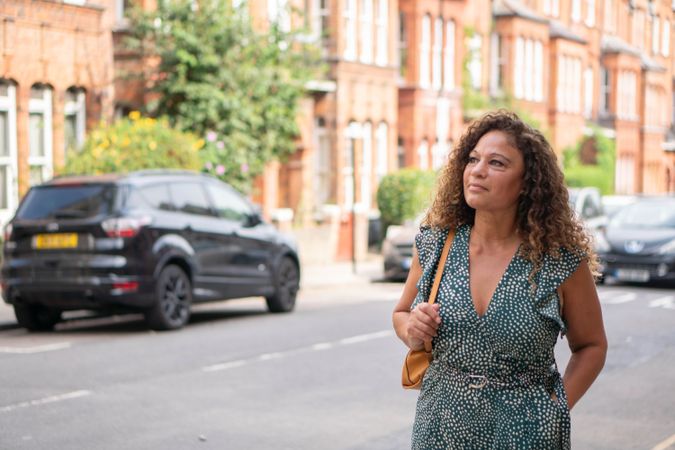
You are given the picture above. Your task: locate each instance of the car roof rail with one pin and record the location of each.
(151, 172)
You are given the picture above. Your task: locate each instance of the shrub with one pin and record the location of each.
(601, 174)
(133, 144)
(404, 194)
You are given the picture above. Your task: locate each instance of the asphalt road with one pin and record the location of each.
(324, 377)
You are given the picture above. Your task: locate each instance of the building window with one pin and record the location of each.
(529, 69)
(121, 9)
(8, 160)
(449, 58)
(353, 133)
(382, 31)
(278, 13)
(605, 90)
(366, 165)
(639, 28)
(349, 16)
(475, 65)
(588, 93)
(519, 69)
(555, 8)
(320, 21)
(569, 85)
(656, 35)
(610, 16)
(323, 163)
(437, 53)
(381, 143)
(576, 11)
(496, 65)
(400, 153)
(402, 46)
(366, 29)
(627, 98)
(425, 52)
(40, 134)
(546, 7)
(538, 71)
(665, 46)
(439, 150)
(590, 13)
(423, 154)
(75, 119)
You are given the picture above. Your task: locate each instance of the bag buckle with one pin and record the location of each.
(477, 381)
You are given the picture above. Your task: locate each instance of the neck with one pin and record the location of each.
(497, 229)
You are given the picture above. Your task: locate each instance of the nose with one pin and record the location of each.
(479, 169)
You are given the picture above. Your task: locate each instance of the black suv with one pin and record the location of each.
(149, 241)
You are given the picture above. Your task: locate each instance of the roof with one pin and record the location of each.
(514, 8)
(558, 30)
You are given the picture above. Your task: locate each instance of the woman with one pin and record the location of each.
(519, 272)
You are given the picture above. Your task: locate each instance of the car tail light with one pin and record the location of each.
(126, 286)
(124, 227)
(7, 235)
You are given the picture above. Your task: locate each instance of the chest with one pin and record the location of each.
(486, 271)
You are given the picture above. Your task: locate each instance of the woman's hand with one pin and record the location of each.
(422, 325)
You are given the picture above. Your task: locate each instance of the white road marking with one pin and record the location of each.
(618, 299)
(665, 302)
(46, 400)
(314, 347)
(665, 444)
(36, 349)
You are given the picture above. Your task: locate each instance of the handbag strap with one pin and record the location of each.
(439, 274)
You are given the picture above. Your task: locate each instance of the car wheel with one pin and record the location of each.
(286, 287)
(173, 299)
(36, 317)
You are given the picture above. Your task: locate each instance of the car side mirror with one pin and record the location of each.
(254, 218)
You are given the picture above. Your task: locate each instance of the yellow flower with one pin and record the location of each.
(198, 144)
(134, 115)
(152, 145)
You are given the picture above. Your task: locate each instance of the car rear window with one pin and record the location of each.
(646, 215)
(67, 202)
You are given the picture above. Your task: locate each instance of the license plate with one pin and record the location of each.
(632, 275)
(55, 240)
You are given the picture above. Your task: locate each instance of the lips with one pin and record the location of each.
(473, 187)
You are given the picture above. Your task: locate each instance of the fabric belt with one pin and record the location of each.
(522, 379)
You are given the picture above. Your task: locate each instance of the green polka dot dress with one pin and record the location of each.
(490, 383)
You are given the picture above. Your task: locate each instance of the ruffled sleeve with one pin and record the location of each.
(552, 274)
(429, 244)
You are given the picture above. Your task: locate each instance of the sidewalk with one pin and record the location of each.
(319, 275)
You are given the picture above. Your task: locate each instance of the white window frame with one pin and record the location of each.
(366, 32)
(575, 15)
(43, 106)
(555, 8)
(382, 24)
(590, 13)
(519, 68)
(546, 7)
(437, 54)
(382, 149)
(77, 108)
(322, 171)
(588, 92)
(656, 35)
(349, 16)
(475, 61)
(366, 164)
(352, 134)
(494, 65)
(665, 45)
(318, 15)
(605, 89)
(538, 71)
(10, 161)
(449, 57)
(609, 16)
(529, 70)
(425, 52)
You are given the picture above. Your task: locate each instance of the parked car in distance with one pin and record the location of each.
(638, 244)
(148, 241)
(611, 204)
(587, 204)
(397, 248)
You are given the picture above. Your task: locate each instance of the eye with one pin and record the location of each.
(497, 163)
(472, 160)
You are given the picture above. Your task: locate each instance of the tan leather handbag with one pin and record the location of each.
(417, 361)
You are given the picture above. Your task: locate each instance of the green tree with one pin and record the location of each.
(133, 144)
(219, 78)
(600, 174)
(404, 194)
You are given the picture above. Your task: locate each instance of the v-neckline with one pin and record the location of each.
(467, 255)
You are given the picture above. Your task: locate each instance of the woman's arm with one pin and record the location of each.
(419, 325)
(585, 333)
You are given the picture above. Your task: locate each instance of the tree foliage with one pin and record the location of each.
(404, 194)
(133, 144)
(601, 174)
(219, 78)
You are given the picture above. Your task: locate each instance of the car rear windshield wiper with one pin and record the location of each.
(68, 214)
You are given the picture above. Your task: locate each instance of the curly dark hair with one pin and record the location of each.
(545, 221)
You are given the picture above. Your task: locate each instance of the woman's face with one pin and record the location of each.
(493, 176)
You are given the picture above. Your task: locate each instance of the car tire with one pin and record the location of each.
(173, 298)
(286, 285)
(36, 317)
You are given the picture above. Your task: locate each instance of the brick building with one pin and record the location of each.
(393, 95)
